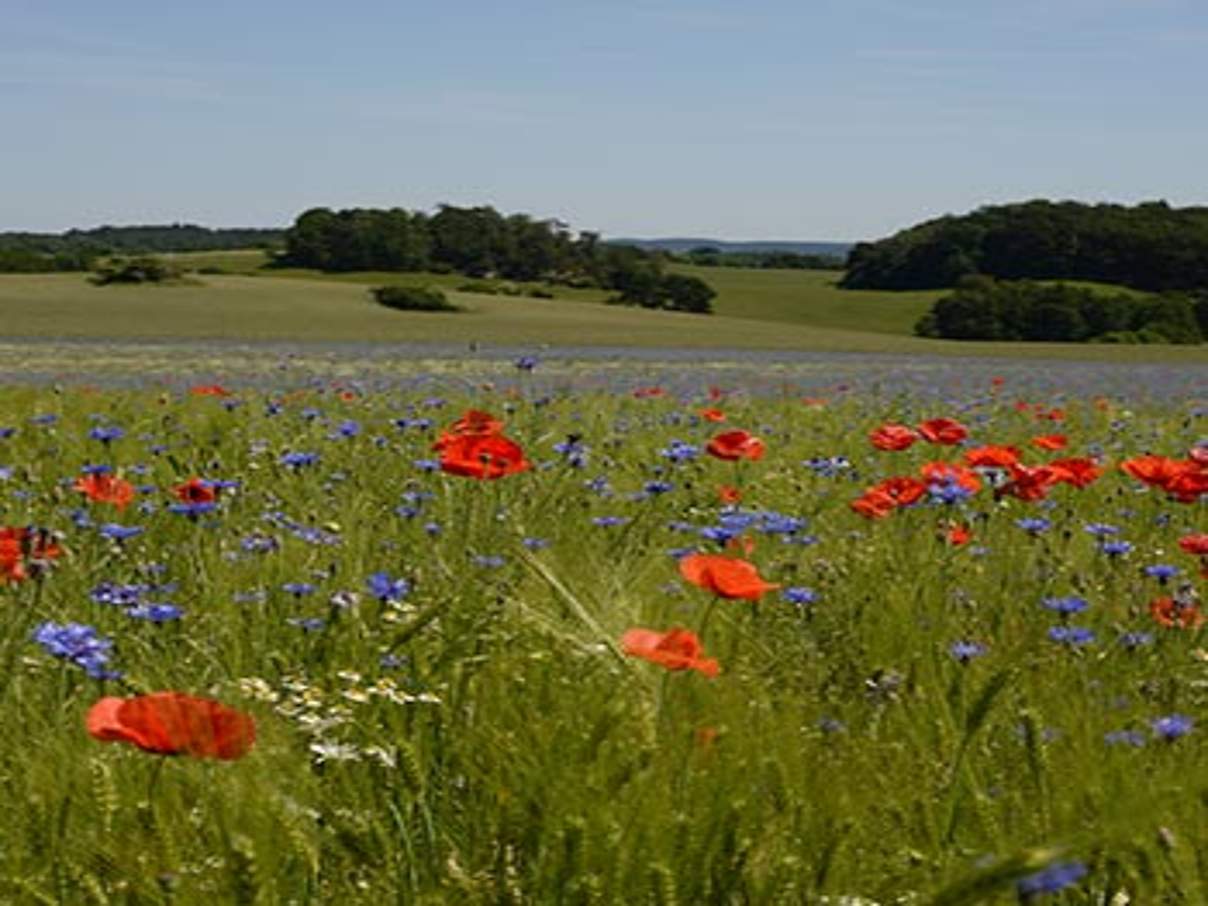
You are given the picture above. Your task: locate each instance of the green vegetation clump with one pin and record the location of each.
(142, 269)
(488, 246)
(413, 298)
(982, 308)
(1151, 247)
(31, 261)
(709, 256)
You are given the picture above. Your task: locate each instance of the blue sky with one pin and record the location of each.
(793, 119)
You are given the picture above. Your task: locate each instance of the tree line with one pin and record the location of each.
(80, 250)
(1150, 246)
(982, 308)
(480, 242)
(710, 256)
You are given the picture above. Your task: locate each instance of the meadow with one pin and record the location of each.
(614, 658)
(755, 309)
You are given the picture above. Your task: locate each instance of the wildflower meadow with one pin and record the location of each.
(331, 643)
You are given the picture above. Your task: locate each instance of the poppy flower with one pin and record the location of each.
(1197, 545)
(1188, 486)
(209, 390)
(958, 535)
(903, 490)
(893, 437)
(675, 649)
(735, 445)
(1050, 442)
(712, 415)
(1157, 470)
(943, 431)
(1172, 614)
(726, 577)
(648, 392)
(729, 494)
(195, 490)
(473, 423)
(173, 723)
(815, 402)
(1078, 471)
(1029, 482)
(103, 488)
(874, 504)
(483, 457)
(993, 457)
(22, 547)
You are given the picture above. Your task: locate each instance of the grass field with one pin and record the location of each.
(451, 705)
(756, 309)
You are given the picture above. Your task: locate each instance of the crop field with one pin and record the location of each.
(603, 634)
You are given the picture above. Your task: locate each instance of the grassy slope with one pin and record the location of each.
(775, 309)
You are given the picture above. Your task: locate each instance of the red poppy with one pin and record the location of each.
(993, 457)
(874, 504)
(815, 402)
(1156, 470)
(21, 548)
(1029, 482)
(473, 423)
(735, 445)
(892, 437)
(712, 415)
(1188, 487)
(716, 393)
(1052, 415)
(675, 649)
(482, 456)
(1197, 545)
(726, 577)
(172, 723)
(195, 490)
(1050, 441)
(209, 390)
(943, 431)
(902, 490)
(1079, 471)
(729, 494)
(958, 535)
(648, 392)
(102, 488)
(1172, 614)
(944, 472)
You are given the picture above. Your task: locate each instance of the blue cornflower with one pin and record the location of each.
(5, 473)
(432, 529)
(1071, 635)
(349, 428)
(48, 418)
(535, 544)
(609, 521)
(948, 492)
(678, 451)
(434, 402)
(259, 544)
(599, 485)
(1065, 606)
(1125, 738)
(427, 465)
(194, 509)
(489, 561)
(1050, 880)
(78, 644)
(95, 469)
(120, 532)
(799, 595)
(1101, 529)
(831, 725)
(1162, 571)
(406, 512)
(6, 433)
(156, 613)
(827, 466)
(1132, 640)
(120, 595)
(1034, 525)
(527, 362)
(296, 460)
(1116, 548)
(107, 435)
(658, 487)
(719, 534)
(382, 587)
(680, 552)
(1172, 726)
(966, 651)
(298, 589)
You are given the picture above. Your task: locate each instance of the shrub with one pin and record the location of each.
(413, 298)
(482, 287)
(143, 269)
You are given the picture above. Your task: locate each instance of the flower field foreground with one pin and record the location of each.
(336, 646)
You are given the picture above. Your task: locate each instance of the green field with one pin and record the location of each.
(756, 309)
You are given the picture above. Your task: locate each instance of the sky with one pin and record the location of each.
(763, 119)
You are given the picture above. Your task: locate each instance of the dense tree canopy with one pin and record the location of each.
(981, 308)
(481, 242)
(1151, 246)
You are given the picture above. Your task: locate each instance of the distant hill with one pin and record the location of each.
(173, 237)
(681, 245)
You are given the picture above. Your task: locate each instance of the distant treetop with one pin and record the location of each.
(1150, 246)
